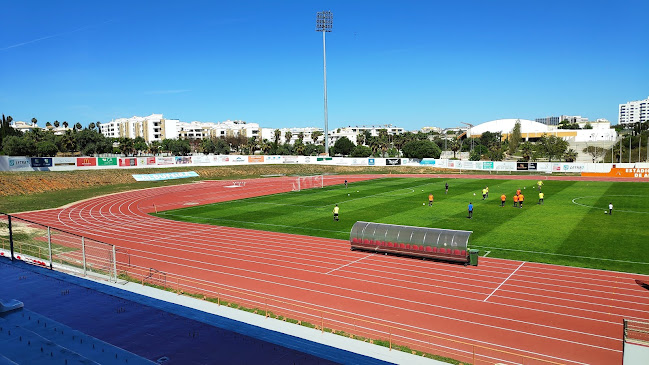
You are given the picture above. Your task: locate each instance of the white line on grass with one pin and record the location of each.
(560, 254)
(501, 284)
(362, 258)
(486, 253)
(617, 210)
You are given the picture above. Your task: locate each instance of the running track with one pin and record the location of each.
(560, 314)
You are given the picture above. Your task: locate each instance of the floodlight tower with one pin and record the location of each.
(324, 22)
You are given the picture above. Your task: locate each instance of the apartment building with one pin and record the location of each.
(634, 112)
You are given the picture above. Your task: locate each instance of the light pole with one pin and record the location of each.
(470, 133)
(324, 23)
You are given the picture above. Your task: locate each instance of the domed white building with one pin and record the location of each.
(531, 130)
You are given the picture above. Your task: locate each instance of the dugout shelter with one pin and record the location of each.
(433, 243)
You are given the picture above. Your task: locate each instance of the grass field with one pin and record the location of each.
(568, 229)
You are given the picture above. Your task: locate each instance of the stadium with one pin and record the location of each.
(262, 259)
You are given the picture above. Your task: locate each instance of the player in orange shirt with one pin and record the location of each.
(502, 200)
(518, 192)
(515, 201)
(430, 200)
(520, 200)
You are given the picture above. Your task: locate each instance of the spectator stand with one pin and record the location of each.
(432, 243)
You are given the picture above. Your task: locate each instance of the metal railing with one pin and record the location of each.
(54, 248)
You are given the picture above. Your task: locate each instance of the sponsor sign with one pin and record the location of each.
(107, 161)
(488, 165)
(543, 166)
(239, 159)
(143, 161)
(520, 166)
(470, 165)
(64, 161)
(86, 161)
(41, 162)
(371, 161)
(324, 158)
(164, 176)
(531, 166)
(19, 163)
(273, 158)
(359, 161)
(453, 164)
(256, 159)
(128, 161)
(393, 161)
(165, 160)
(290, 159)
(183, 160)
(504, 166)
(637, 173)
(201, 159)
(427, 161)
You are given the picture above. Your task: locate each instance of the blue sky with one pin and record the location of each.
(407, 63)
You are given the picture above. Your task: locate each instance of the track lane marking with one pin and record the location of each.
(501, 284)
(340, 267)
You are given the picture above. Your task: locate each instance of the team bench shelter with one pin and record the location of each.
(434, 243)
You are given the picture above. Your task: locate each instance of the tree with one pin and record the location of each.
(57, 124)
(343, 146)
(588, 126)
(139, 144)
(527, 150)
(515, 138)
(46, 149)
(65, 124)
(552, 146)
(474, 155)
(570, 155)
(18, 146)
(277, 134)
(287, 137)
(126, 146)
(421, 149)
(78, 126)
(455, 145)
(155, 147)
(91, 126)
(361, 151)
(315, 135)
(594, 152)
(208, 146)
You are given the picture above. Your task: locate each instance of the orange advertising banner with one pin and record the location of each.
(86, 161)
(620, 172)
(253, 159)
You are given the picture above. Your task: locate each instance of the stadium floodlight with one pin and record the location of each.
(324, 23)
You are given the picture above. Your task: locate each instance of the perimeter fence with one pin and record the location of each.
(58, 249)
(636, 332)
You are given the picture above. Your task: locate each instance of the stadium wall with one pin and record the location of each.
(21, 163)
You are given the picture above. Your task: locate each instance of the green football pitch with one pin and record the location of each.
(570, 228)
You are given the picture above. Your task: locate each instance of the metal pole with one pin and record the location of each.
(326, 128)
(620, 150)
(114, 263)
(11, 238)
(629, 149)
(83, 254)
(49, 245)
(639, 148)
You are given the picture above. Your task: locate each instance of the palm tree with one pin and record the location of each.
(91, 126)
(315, 135)
(34, 121)
(78, 126)
(65, 124)
(455, 145)
(48, 125)
(360, 139)
(277, 134)
(287, 137)
(570, 155)
(300, 137)
(56, 124)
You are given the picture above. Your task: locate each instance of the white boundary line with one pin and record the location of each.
(501, 284)
(340, 267)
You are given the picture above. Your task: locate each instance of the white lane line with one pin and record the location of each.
(362, 258)
(486, 253)
(501, 284)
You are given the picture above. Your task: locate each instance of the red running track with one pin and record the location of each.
(559, 314)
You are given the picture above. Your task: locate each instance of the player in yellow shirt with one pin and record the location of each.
(336, 210)
(541, 195)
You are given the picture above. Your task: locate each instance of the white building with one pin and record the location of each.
(530, 130)
(152, 128)
(557, 120)
(634, 112)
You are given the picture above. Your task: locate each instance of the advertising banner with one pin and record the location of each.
(531, 166)
(371, 161)
(107, 161)
(428, 161)
(324, 158)
(238, 159)
(86, 161)
(488, 165)
(128, 161)
(41, 162)
(452, 164)
(520, 166)
(471, 165)
(504, 166)
(201, 159)
(183, 160)
(145, 161)
(568, 167)
(543, 166)
(359, 161)
(169, 160)
(164, 176)
(637, 173)
(19, 163)
(256, 159)
(273, 159)
(392, 161)
(290, 159)
(64, 161)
